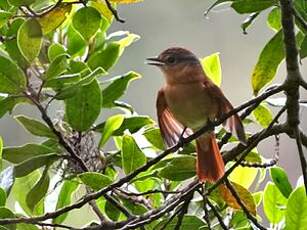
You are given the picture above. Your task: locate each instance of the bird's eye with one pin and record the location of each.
(171, 60)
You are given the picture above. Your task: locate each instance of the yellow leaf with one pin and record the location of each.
(245, 196)
(103, 10)
(243, 176)
(53, 19)
(125, 1)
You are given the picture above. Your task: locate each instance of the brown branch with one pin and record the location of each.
(218, 216)
(114, 11)
(242, 205)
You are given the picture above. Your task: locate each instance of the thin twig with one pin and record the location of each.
(114, 11)
(218, 216)
(183, 211)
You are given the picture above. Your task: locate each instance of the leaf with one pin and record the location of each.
(274, 203)
(87, 21)
(117, 88)
(54, 18)
(112, 124)
(8, 104)
(274, 19)
(303, 48)
(58, 66)
(132, 155)
(24, 168)
(249, 21)
(258, 198)
(65, 198)
(1, 153)
(29, 39)
(75, 43)
(103, 9)
(250, 6)
(245, 196)
(188, 222)
(133, 124)
(280, 179)
(243, 176)
(55, 50)
(83, 109)
(95, 181)
(125, 1)
(14, 52)
(4, 17)
(127, 41)
(179, 168)
(12, 78)
(216, 3)
(296, 213)
(268, 62)
(2, 197)
(112, 212)
(21, 188)
(301, 8)
(106, 58)
(22, 153)
(212, 67)
(6, 213)
(35, 127)
(153, 135)
(39, 190)
(27, 227)
(7, 179)
(263, 115)
(21, 2)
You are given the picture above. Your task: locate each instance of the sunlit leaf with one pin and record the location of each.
(263, 115)
(58, 66)
(95, 180)
(243, 176)
(280, 179)
(4, 16)
(112, 124)
(212, 67)
(296, 213)
(250, 6)
(303, 48)
(29, 39)
(258, 198)
(274, 19)
(248, 21)
(153, 135)
(274, 203)
(1, 154)
(55, 50)
(103, 9)
(21, 2)
(84, 107)
(75, 42)
(125, 1)
(127, 41)
(132, 155)
(87, 22)
(53, 19)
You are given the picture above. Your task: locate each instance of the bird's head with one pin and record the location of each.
(177, 64)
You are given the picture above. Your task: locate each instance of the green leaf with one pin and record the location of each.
(7, 179)
(8, 103)
(35, 127)
(4, 16)
(1, 153)
(24, 168)
(296, 213)
(21, 2)
(274, 203)
(6, 213)
(243, 176)
(14, 52)
(106, 58)
(250, 6)
(87, 21)
(75, 43)
(132, 155)
(83, 109)
(58, 66)
(179, 168)
(58, 83)
(301, 8)
(280, 179)
(212, 67)
(274, 19)
(117, 88)
(303, 48)
(27, 227)
(268, 62)
(153, 135)
(22, 153)
(248, 21)
(188, 222)
(21, 188)
(263, 115)
(95, 181)
(258, 197)
(55, 50)
(38, 192)
(54, 18)
(12, 78)
(29, 39)
(127, 41)
(112, 212)
(216, 3)
(112, 124)
(2, 197)
(65, 198)
(133, 124)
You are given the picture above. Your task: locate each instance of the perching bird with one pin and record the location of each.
(189, 99)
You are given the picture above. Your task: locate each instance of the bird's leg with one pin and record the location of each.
(181, 138)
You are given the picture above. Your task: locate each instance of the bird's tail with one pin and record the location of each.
(210, 165)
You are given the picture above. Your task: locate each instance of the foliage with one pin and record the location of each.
(67, 47)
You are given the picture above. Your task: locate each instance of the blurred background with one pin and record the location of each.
(162, 24)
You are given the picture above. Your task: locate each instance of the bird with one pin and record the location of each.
(187, 102)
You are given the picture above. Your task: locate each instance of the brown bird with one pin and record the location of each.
(187, 101)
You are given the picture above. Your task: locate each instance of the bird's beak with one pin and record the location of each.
(154, 61)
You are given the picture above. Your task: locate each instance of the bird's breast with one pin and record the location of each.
(190, 104)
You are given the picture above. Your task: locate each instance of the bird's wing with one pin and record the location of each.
(233, 124)
(170, 128)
